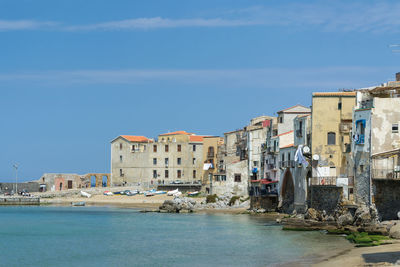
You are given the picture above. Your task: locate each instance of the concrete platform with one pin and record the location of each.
(19, 200)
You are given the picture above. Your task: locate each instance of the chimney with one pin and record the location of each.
(398, 76)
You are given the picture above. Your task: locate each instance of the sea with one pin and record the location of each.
(111, 236)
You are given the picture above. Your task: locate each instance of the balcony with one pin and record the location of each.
(287, 164)
(391, 174)
(345, 127)
(210, 155)
(324, 180)
(360, 139)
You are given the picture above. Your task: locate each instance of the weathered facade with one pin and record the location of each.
(211, 146)
(376, 147)
(65, 181)
(137, 160)
(331, 138)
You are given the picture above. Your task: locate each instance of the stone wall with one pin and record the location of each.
(269, 203)
(324, 197)
(387, 198)
(30, 186)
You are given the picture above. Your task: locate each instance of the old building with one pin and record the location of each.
(211, 145)
(331, 137)
(376, 148)
(137, 160)
(65, 181)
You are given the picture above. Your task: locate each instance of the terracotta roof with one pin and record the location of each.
(196, 138)
(176, 133)
(298, 105)
(134, 138)
(291, 145)
(334, 94)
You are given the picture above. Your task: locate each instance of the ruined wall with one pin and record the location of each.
(30, 186)
(325, 197)
(387, 198)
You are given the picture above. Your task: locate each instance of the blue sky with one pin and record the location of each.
(76, 74)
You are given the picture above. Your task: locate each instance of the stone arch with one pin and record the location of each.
(287, 192)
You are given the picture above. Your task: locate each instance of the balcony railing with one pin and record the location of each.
(287, 164)
(324, 180)
(385, 174)
(210, 154)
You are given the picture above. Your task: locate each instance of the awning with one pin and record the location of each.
(265, 181)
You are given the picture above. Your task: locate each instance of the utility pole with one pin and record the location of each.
(16, 177)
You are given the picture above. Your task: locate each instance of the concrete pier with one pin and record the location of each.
(19, 200)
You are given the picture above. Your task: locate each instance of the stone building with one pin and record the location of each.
(211, 146)
(376, 148)
(232, 174)
(331, 137)
(65, 181)
(137, 160)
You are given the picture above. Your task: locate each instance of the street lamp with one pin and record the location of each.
(16, 177)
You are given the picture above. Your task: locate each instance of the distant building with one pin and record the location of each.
(211, 165)
(138, 160)
(65, 181)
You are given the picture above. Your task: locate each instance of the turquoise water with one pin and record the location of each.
(107, 236)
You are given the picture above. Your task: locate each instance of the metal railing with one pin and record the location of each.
(385, 174)
(324, 180)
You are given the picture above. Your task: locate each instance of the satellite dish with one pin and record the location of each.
(315, 157)
(306, 150)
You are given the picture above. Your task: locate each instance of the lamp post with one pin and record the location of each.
(16, 177)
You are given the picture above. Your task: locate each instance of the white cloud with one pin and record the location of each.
(158, 22)
(13, 25)
(273, 78)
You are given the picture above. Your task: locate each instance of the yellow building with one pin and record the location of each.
(331, 136)
(210, 149)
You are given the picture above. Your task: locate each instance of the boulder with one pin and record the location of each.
(312, 214)
(395, 231)
(363, 216)
(345, 219)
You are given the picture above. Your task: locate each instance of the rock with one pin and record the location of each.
(330, 218)
(395, 231)
(345, 219)
(311, 214)
(362, 216)
(261, 211)
(278, 220)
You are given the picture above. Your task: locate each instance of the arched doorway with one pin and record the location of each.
(287, 192)
(105, 181)
(93, 181)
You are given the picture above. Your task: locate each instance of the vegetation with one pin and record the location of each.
(211, 198)
(363, 239)
(338, 232)
(233, 200)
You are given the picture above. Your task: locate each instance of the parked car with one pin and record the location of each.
(177, 182)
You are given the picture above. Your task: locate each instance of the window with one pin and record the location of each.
(166, 161)
(331, 138)
(179, 161)
(210, 152)
(154, 174)
(194, 174)
(121, 173)
(154, 148)
(120, 158)
(283, 157)
(194, 147)
(288, 156)
(166, 148)
(120, 146)
(359, 137)
(179, 173)
(238, 177)
(166, 174)
(395, 128)
(339, 105)
(179, 148)
(133, 148)
(255, 163)
(154, 161)
(194, 161)
(280, 119)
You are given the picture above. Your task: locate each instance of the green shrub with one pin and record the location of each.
(233, 200)
(211, 198)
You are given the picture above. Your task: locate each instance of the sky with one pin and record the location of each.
(76, 74)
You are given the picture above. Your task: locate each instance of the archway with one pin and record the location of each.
(93, 181)
(105, 181)
(287, 192)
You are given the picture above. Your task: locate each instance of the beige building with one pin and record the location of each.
(210, 151)
(331, 140)
(139, 160)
